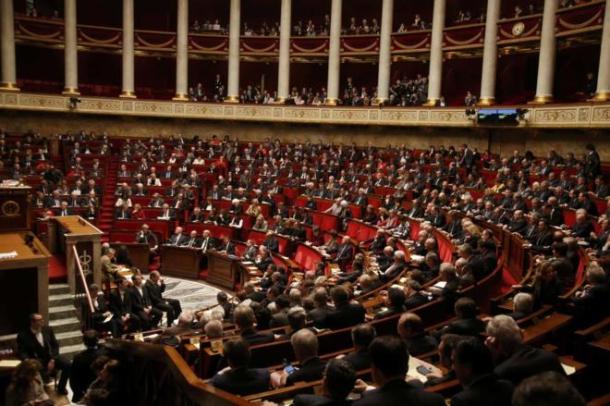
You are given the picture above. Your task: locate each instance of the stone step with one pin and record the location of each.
(63, 299)
(64, 325)
(69, 338)
(59, 288)
(61, 312)
(70, 350)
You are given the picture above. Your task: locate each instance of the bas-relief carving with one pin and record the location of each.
(584, 115)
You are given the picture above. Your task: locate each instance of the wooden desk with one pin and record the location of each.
(181, 262)
(25, 281)
(15, 214)
(66, 232)
(139, 254)
(224, 270)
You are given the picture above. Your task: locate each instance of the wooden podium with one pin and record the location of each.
(66, 232)
(224, 270)
(25, 280)
(15, 208)
(181, 262)
(138, 253)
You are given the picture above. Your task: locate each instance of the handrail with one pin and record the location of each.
(83, 279)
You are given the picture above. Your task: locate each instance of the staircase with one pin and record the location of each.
(63, 320)
(106, 215)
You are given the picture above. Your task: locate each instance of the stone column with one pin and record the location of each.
(385, 51)
(128, 90)
(334, 54)
(7, 45)
(182, 51)
(546, 61)
(234, 31)
(70, 51)
(603, 76)
(436, 53)
(490, 54)
(283, 79)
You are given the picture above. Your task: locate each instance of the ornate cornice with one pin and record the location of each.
(586, 115)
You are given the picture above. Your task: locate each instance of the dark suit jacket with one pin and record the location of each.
(465, 327)
(139, 302)
(483, 391)
(242, 381)
(155, 292)
(254, 337)
(319, 315)
(81, 374)
(359, 359)
(421, 344)
(525, 362)
(399, 393)
(272, 244)
(311, 370)
(29, 347)
(120, 307)
(416, 300)
(346, 316)
(316, 400)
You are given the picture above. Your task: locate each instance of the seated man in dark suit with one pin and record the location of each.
(338, 382)
(411, 330)
(39, 342)
(244, 319)
(271, 242)
(345, 252)
(346, 313)
(280, 317)
(362, 336)
(121, 306)
(390, 363)
(81, 374)
(321, 308)
(523, 305)
(155, 287)
(474, 366)
(238, 378)
(467, 323)
(142, 304)
(396, 268)
(305, 346)
(394, 302)
(593, 301)
(514, 360)
(178, 239)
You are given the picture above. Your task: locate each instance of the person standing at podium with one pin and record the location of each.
(145, 236)
(178, 239)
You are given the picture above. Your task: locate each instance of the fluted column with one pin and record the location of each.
(334, 53)
(490, 54)
(7, 43)
(234, 30)
(283, 79)
(70, 51)
(603, 76)
(546, 61)
(436, 53)
(385, 52)
(128, 89)
(182, 52)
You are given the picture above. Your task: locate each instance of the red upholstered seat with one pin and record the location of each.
(569, 217)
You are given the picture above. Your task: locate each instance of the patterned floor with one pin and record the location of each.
(193, 295)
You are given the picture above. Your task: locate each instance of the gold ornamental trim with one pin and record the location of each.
(312, 50)
(159, 45)
(365, 49)
(571, 26)
(466, 42)
(99, 41)
(10, 208)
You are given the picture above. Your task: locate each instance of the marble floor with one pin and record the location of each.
(193, 295)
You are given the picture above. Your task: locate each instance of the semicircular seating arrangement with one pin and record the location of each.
(422, 233)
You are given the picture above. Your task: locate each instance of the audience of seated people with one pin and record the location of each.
(300, 304)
